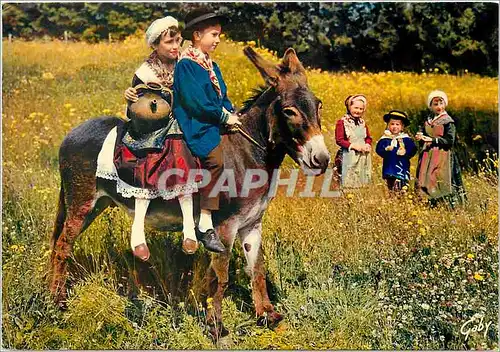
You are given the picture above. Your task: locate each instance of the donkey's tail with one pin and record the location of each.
(60, 218)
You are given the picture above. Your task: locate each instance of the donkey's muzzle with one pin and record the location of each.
(320, 160)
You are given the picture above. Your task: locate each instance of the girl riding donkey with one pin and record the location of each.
(142, 157)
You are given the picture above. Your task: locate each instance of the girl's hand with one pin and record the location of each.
(427, 145)
(131, 94)
(367, 148)
(419, 136)
(426, 139)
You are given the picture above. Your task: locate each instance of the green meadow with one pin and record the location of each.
(362, 271)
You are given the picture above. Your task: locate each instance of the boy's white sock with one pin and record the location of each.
(138, 236)
(205, 223)
(186, 203)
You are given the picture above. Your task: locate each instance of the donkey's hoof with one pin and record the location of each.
(190, 246)
(270, 319)
(142, 252)
(217, 330)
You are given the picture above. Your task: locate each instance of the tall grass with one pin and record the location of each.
(364, 271)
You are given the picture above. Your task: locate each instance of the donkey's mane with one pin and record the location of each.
(256, 94)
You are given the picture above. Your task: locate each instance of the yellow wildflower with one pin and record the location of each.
(470, 256)
(47, 76)
(14, 247)
(422, 231)
(349, 196)
(478, 277)
(67, 105)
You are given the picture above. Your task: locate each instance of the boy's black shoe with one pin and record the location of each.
(210, 240)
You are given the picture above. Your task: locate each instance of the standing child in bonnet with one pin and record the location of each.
(353, 160)
(438, 172)
(396, 148)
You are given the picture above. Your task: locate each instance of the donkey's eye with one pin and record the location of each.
(320, 107)
(290, 112)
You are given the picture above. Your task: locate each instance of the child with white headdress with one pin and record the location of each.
(438, 171)
(140, 166)
(353, 160)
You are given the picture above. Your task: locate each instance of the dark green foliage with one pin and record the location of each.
(378, 36)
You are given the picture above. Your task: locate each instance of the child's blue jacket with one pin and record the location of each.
(197, 106)
(397, 166)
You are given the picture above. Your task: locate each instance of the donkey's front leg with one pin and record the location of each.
(217, 284)
(251, 239)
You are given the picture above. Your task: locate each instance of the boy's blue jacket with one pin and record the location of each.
(198, 107)
(397, 166)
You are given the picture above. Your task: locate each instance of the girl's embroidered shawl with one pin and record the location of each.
(441, 119)
(153, 70)
(350, 124)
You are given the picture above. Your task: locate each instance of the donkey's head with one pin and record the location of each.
(294, 114)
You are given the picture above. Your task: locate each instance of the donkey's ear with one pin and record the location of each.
(267, 69)
(292, 62)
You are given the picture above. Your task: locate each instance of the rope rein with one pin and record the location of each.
(238, 128)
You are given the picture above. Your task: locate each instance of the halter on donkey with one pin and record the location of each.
(283, 119)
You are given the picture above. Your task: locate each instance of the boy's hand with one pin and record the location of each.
(131, 94)
(389, 148)
(233, 120)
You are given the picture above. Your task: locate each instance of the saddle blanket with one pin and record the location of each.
(106, 169)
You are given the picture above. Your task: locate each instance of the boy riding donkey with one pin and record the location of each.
(201, 107)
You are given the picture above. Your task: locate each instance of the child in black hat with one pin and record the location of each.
(396, 148)
(201, 106)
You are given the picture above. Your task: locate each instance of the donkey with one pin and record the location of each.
(283, 118)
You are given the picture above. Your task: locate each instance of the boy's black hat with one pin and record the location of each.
(199, 15)
(397, 115)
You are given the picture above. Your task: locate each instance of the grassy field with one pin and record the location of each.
(364, 271)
